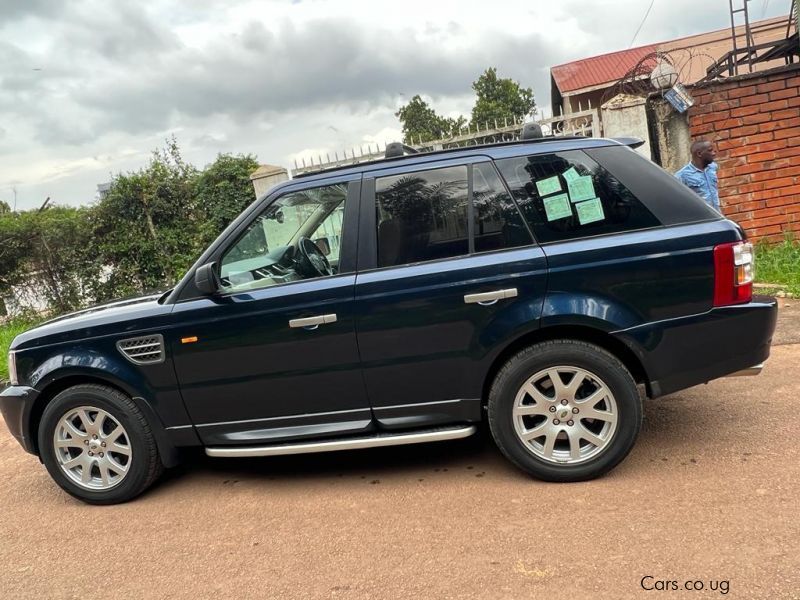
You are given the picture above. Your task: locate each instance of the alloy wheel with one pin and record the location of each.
(565, 415)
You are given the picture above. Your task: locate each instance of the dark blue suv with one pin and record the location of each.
(545, 286)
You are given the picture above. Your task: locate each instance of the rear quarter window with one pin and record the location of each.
(567, 195)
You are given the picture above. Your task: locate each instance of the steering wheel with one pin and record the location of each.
(311, 261)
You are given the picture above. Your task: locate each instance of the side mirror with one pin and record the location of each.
(206, 280)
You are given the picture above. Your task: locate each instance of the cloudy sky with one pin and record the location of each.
(89, 88)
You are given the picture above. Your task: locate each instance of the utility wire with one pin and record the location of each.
(642, 23)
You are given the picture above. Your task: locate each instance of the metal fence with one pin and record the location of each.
(584, 122)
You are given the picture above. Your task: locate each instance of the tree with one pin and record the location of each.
(44, 255)
(421, 123)
(144, 227)
(499, 99)
(222, 191)
(4, 208)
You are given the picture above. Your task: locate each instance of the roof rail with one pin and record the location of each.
(391, 158)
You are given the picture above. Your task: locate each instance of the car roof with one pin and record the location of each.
(496, 151)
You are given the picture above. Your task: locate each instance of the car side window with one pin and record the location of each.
(422, 216)
(498, 224)
(567, 195)
(298, 236)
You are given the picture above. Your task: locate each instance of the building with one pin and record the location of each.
(590, 82)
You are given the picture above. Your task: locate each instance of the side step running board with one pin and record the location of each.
(345, 444)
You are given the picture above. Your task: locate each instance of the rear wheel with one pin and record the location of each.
(97, 445)
(564, 410)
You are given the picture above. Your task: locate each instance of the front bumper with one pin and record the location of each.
(16, 404)
(680, 353)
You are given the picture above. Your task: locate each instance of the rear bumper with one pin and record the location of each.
(16, 403)
(748, 372)
(687, 351)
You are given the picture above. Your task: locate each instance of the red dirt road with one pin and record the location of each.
(709, 493)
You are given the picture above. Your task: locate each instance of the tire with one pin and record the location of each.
(575, 431)
(97, 445)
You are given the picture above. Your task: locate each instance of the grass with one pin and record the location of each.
(8, 331)
(780, 264)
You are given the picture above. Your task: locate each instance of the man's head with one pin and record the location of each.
(703, 153)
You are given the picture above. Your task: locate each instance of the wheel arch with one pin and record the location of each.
(582, 333)
(167, 451)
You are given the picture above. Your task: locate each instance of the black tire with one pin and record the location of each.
(144, 465)
(570, 353)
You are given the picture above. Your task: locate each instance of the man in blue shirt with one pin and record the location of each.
(700, 175)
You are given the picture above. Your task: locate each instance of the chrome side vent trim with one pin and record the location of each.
(144, 350)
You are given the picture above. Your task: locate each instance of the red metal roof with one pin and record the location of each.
(598, 70)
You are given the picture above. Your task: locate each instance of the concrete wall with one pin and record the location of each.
(672, 136)
(267, 176)
(626, 116)
(754, 121)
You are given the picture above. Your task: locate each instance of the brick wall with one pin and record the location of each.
(754, 121)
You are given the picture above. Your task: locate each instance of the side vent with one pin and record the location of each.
(145, 350)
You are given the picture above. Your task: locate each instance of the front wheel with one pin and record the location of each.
(97, 445)
(565, 410)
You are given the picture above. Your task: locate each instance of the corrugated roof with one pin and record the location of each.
(598, 70)
(609, 68)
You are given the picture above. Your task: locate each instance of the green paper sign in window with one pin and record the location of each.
(557, 207)
(548, 186)
(581, 188)
(570, 175)
(590, 211)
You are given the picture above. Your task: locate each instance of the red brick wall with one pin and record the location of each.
(754, 121)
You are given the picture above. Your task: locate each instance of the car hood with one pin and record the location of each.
(121, 316)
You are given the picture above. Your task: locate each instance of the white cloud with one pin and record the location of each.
(89, 88)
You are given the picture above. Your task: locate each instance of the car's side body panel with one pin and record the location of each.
(422, 346)
(252, 377)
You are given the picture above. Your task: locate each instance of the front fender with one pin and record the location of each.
(152, 387)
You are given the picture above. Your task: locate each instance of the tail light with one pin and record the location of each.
(734, 270)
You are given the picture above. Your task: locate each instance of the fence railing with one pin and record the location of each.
(584, 123)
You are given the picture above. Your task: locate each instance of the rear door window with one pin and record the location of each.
(425, 215)
(567, 195)
(498, 224)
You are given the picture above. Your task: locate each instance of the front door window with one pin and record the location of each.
(297, 237)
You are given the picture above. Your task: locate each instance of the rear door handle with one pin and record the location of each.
(313, 322)
(489, 298)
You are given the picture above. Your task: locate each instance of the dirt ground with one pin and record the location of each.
(708, 496)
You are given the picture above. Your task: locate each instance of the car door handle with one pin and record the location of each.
(313, 322)
(489, 298)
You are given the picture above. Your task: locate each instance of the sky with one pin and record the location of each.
(89, 88)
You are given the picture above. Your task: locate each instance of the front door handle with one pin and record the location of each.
(489, 298)
(313, 322)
